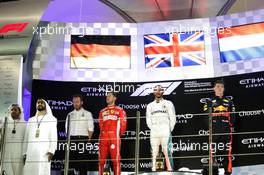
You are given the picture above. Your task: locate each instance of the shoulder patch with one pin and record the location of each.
(118, 107)
(226, 100)
(205, 107)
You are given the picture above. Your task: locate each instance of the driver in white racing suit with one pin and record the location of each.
(161, 120)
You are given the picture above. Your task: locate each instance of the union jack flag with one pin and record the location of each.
(174, 49)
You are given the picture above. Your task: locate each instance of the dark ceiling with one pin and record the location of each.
(124, 10)
(159, 10)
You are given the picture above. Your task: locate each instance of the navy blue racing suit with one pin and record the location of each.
(222, 123)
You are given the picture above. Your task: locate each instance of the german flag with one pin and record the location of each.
(100, 51)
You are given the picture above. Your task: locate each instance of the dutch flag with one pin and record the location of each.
(242, 43)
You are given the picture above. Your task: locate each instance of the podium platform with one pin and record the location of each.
(168, 173)
(141, 173)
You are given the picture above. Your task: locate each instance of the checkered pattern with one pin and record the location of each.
(248, 170)
(237, 67)
(101, 74)
(48, 58)
(52, 55)
(51, 60)
(244, 170)
(188, 72)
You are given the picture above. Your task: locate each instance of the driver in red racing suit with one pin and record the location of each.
(112, 122)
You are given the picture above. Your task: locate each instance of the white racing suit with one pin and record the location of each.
(161, 120)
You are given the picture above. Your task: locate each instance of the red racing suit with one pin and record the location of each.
(112, 122)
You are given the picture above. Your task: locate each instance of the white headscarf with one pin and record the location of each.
(21, 110)
(48, 109)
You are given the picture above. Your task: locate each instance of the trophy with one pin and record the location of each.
(107, 168)
(160, 161)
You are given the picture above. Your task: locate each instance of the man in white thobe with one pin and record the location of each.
(14, 136)
(40, 140)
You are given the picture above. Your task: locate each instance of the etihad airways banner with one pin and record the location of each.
(190, 139)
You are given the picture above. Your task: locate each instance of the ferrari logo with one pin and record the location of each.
(105, 113)
(220, 108)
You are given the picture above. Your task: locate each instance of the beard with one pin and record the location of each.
(77, 107)
(158, 96)
(40, 108)
(15, 116)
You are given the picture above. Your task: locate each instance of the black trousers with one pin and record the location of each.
(78, 154)
(223, 148)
